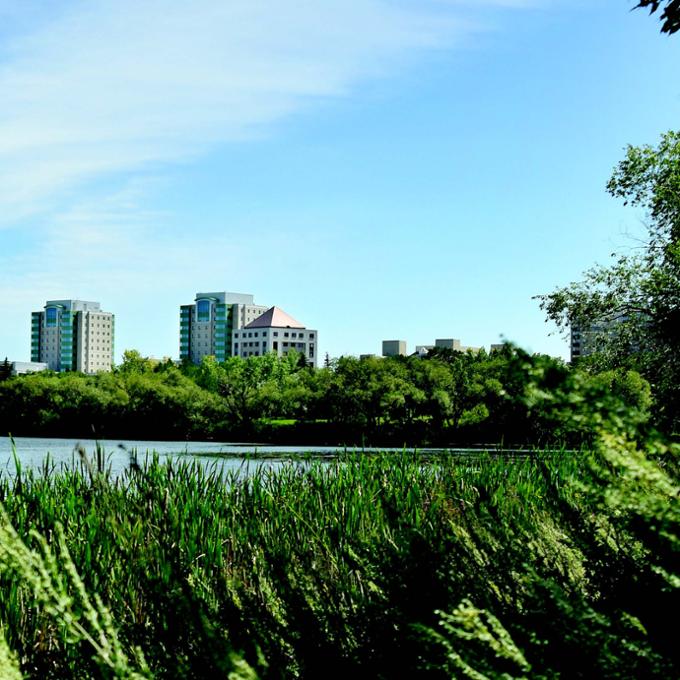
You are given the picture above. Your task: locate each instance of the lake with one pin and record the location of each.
(33, 451)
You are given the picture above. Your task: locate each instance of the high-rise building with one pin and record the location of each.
(590, 338)
(73, 335)
(277, 332)
(206, 327)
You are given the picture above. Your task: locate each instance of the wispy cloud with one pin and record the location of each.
(118, 85)
(91, 87)
(94, 90)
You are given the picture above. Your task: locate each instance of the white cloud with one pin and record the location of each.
(97, 89)
(117, 85)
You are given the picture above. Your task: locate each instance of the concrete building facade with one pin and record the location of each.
(277, 332)
(393, 348)
(454, 344)
(206, 327)
(587, 340)
(73, 335)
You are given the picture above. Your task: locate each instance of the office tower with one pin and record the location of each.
(275, 331)
(73, 335)
(591, 338)
(206, 327)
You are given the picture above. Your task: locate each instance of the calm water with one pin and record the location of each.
(33, 451)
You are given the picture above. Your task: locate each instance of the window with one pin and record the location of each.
(203, 310)
(285, 335)
(51, 317)
(276, 334)
(311, 336)
(276, 345)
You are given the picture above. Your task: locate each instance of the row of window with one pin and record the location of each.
(257, 354)
(299, 346)
(254, 334)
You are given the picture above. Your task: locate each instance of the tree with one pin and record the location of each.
(642, 289)
(670, 17)
(5, 370)
(134, 362)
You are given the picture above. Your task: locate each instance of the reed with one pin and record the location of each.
(390, 565)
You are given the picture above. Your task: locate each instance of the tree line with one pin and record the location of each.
(446, 398)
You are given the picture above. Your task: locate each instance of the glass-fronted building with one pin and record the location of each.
(206, 326)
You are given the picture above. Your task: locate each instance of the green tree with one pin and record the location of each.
(240, 383)
(456, 387)
(643, 289)
(368, 392)
(134, 362)
(5, 370)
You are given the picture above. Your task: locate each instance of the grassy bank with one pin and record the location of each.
(379, 566)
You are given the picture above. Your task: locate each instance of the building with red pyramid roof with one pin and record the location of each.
(278, 332)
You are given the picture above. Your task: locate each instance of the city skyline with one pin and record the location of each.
(208, 327)
(380, 169)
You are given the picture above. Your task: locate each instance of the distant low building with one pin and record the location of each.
(454, 344)
(393, 348)
(25, 367)
(277, 332)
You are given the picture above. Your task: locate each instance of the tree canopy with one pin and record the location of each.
(641, 290)
(443, 399)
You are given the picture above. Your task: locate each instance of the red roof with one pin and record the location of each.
(274, 317)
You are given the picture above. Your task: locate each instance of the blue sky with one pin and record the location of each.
(377, 168)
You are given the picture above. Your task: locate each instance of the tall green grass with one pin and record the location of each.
(554, 564)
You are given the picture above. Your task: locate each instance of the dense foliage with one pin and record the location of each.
(551, 565)
(641, 291)
(448, 397)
